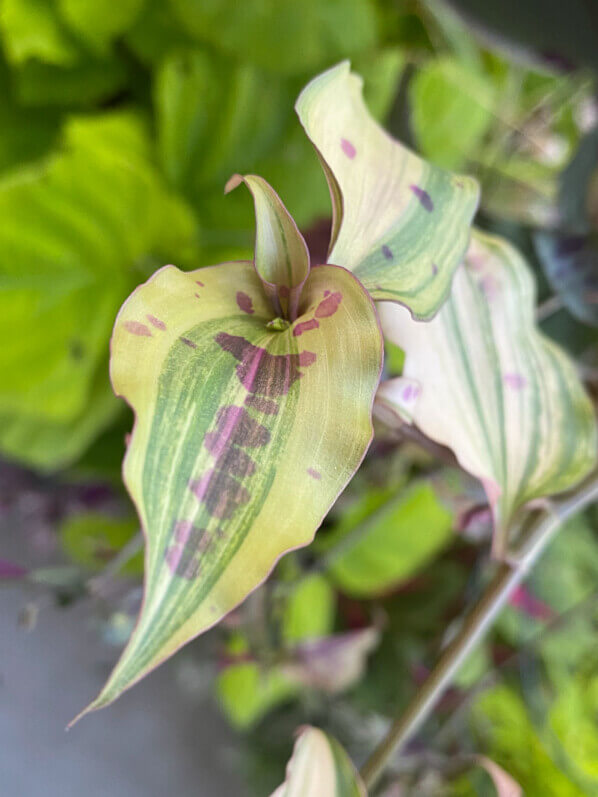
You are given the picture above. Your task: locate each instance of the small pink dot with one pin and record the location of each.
(155, 322)
(315, 474)
(348, 148)
(136, 328)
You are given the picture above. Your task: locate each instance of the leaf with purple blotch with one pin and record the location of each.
(401, 224)
(238, 412)
(494, 389)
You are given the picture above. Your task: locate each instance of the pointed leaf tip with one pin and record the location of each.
(401, 224)
(234, 181)
(320, 767)
(281, 255)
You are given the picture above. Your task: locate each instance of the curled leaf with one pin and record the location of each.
(501, 395)
(320, 767)
(235, 417)
(281, 254)
(331, 663)
(399, 223)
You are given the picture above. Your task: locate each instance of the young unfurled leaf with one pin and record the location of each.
(236, 418)
(386, 547)
(399, 223)
(501, 395)
(281, 255)
(319, 767)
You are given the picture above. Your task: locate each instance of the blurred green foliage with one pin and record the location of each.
(120, 127)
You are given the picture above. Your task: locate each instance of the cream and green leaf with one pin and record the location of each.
(320, 767)
(248, 427)
(500, 394)
(399, 223)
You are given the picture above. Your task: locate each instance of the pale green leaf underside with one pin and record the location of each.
(233, 422)
(501, 395)
(320, 767)
(399, 223)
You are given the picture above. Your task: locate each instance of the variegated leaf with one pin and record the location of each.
(399, 223)
(245, 434)
(320, 767)
(501, 395)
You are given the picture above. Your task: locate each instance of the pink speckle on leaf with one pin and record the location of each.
(425, 199)
(306, 358)
(387, 252)
(315, 474)
(305, 326)
(434, 269)
(137, 328)
(515, 381)
(329, 305)
(188, 342)
(197, 296)
(492, 490)
(488, 286)
(155, 322)
(348, 148)
(522, 599)
(201, 285)
(244, 302)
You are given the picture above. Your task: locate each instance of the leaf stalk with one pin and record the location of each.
(477, 623)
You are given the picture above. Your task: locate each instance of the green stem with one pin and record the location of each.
(476, 624)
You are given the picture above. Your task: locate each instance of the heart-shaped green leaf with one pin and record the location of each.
(489, 385)
(320, 767)
(399, 223)
(246, 433)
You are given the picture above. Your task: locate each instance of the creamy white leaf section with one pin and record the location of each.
(494, 389)
(401, 224)
(319, 767)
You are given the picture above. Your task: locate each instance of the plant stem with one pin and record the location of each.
(476, 624)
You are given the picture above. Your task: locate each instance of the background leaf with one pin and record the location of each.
(521, 421)
(74, 230)
(319, 767)
(376, 552)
